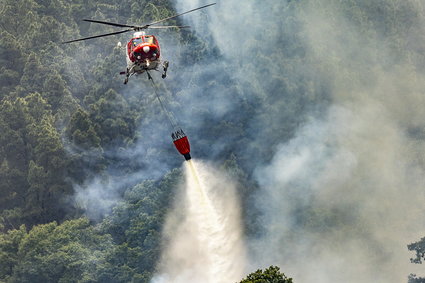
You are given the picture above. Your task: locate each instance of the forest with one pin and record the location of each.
(312, 108)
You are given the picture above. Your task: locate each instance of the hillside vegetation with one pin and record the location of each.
(67, 121)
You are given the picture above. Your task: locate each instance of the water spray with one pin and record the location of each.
(204, 231)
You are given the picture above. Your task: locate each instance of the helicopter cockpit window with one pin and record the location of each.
(137, 41)
(149, 39)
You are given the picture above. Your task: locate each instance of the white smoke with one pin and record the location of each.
(203, 234)
(339, 201)
(342, 199)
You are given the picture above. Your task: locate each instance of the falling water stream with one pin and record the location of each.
(204, 232)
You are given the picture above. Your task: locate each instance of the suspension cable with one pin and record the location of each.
(167, 113)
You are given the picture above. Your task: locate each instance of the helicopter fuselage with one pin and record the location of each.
(143, 53)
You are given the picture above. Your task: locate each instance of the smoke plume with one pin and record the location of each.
(333, 134)
(343, 196)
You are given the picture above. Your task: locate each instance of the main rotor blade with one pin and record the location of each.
(172, 17)
(109, 23)
(160, 27)
(100, 35)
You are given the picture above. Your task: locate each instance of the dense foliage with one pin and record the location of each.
(70, 252)
(419, 249)
(61, 116)
(65, 118)
(269, 275)
(123, 248)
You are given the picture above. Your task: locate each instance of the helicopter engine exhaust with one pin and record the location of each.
(181, 142)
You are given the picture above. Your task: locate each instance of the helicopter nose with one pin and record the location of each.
(146, 49)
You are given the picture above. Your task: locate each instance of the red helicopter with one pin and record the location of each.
(143, 51)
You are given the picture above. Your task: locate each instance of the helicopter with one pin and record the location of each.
(143, 51)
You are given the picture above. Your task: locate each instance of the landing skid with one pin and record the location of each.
(130, 72)
(165, 66)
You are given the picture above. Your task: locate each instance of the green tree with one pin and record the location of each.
(9, 246)
(34, 74)
(269, 275)
(113, 119)
(81, 130)
(70, 252)
(413, 279)
(135, 225)
(33, 161)
(419, 249)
